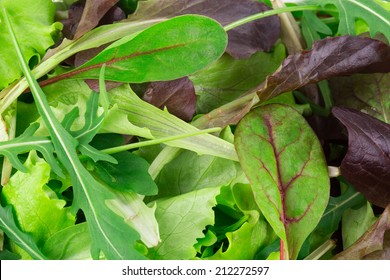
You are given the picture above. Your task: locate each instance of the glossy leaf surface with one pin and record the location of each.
(158, 52)
(244, 41)
(284, 163)
(368, 171)
(330, 57)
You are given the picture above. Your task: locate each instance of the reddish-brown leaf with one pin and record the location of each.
(178, 96)
(367, 162)
(330, 57)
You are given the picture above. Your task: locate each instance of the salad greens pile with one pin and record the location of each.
(169, 129)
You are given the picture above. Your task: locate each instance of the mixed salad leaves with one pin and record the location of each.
(168, 129)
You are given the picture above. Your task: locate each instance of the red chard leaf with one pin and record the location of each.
(330, 57)
(178, 96)
(367, 162)
(243, 41)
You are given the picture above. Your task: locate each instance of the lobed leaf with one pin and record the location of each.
(33, 21)
(181, 221)
(376, 16)
(286, 168)
(368, 171)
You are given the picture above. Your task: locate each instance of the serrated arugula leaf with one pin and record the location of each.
(90, 195)
(27, 142)
(376, 16)
(24, 240)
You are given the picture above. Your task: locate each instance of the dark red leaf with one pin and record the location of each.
(243, 41)
(93, 12)
(330, 57)
(178, 96)
(85, 15)
(367, 162)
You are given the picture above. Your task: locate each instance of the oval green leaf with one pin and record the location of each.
(284, 162)
(165, 51)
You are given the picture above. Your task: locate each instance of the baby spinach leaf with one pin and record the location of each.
(369, 93)
(22, 239)
(33, 21)
(368, 171)
(284, 163)
(129, 174)
(37, 208)
(189, 172)
(178, 96)
(71, 243)
(330, 57)
(182, 220)
(154, 54)
(243, 41)
(227, 79)
(373, 14)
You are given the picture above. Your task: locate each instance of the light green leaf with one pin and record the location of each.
(355, 223)
(158, 52)
(377, 17)
(131, 207)
(22, 239)
(162, 124)
(227, 78)
(33, 21)
(286, 168)
(182, 220)
(38, 210)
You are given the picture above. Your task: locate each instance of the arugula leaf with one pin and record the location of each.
(90, 195)
(374, 14)
(27, 142)
(311, 27)
(22, 239)
(33, 21)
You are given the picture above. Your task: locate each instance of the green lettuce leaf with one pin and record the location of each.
(33, 21)
(182, 220)
(38, 210)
